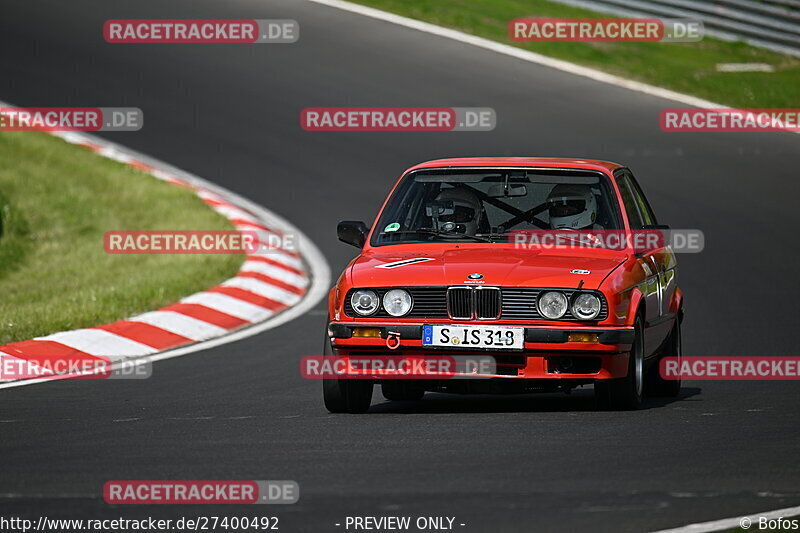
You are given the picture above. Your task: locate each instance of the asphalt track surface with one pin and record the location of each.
(230, 113)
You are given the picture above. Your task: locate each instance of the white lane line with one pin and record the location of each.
(242, 225)
(112, 152)
(232, 212)
(266, 235)
(269, 242)
(99, 342)
(282, 258)
(519, 53)
(272, 239)
(263, 289)
(729, 523)
(206, 195)
(164, 176)
(182, 325)
(281, 274)
(230, 305)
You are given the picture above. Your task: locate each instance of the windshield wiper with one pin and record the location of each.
(440, 233)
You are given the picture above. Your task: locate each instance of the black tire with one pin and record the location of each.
(625, 394)
(673, 347)
(345, 395)
(401, 390)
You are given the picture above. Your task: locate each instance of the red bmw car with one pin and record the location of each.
(458, 261)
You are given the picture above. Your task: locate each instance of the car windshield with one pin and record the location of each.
(463, 205)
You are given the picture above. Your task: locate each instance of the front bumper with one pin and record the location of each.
(548, 352)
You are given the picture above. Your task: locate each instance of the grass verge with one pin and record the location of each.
(684, 67)
(56, 202)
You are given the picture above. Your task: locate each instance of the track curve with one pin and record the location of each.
(230, 113)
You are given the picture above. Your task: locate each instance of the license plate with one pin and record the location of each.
(486, 337)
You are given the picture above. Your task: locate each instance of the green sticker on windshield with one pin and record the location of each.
(394, 226)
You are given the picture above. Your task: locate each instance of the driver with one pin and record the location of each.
(572, 206)
(467, 214)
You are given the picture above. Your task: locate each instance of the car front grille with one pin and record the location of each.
(482, 303)
(475, 302)
(459, 302)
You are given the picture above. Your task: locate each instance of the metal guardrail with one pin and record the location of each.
(773, 24)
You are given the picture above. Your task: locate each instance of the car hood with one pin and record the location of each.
(497, 266)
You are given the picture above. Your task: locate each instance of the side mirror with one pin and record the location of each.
(353, 232)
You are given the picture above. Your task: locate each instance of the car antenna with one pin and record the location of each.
(580, 285)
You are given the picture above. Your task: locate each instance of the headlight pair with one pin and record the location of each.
(554, 304)
(396, 302)
(551, 304)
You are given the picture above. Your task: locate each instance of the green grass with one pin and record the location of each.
(56, 202)
(684, 67)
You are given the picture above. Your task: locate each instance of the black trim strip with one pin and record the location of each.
(342, 331)
(659, 320)
(555, 336)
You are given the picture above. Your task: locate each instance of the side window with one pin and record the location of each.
(629, 199)
(648, 217)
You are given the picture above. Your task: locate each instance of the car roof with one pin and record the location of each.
(548, 162)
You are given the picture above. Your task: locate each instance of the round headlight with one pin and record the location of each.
(552, 305)
(365, 302)
(586, 306)
(397, 302)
